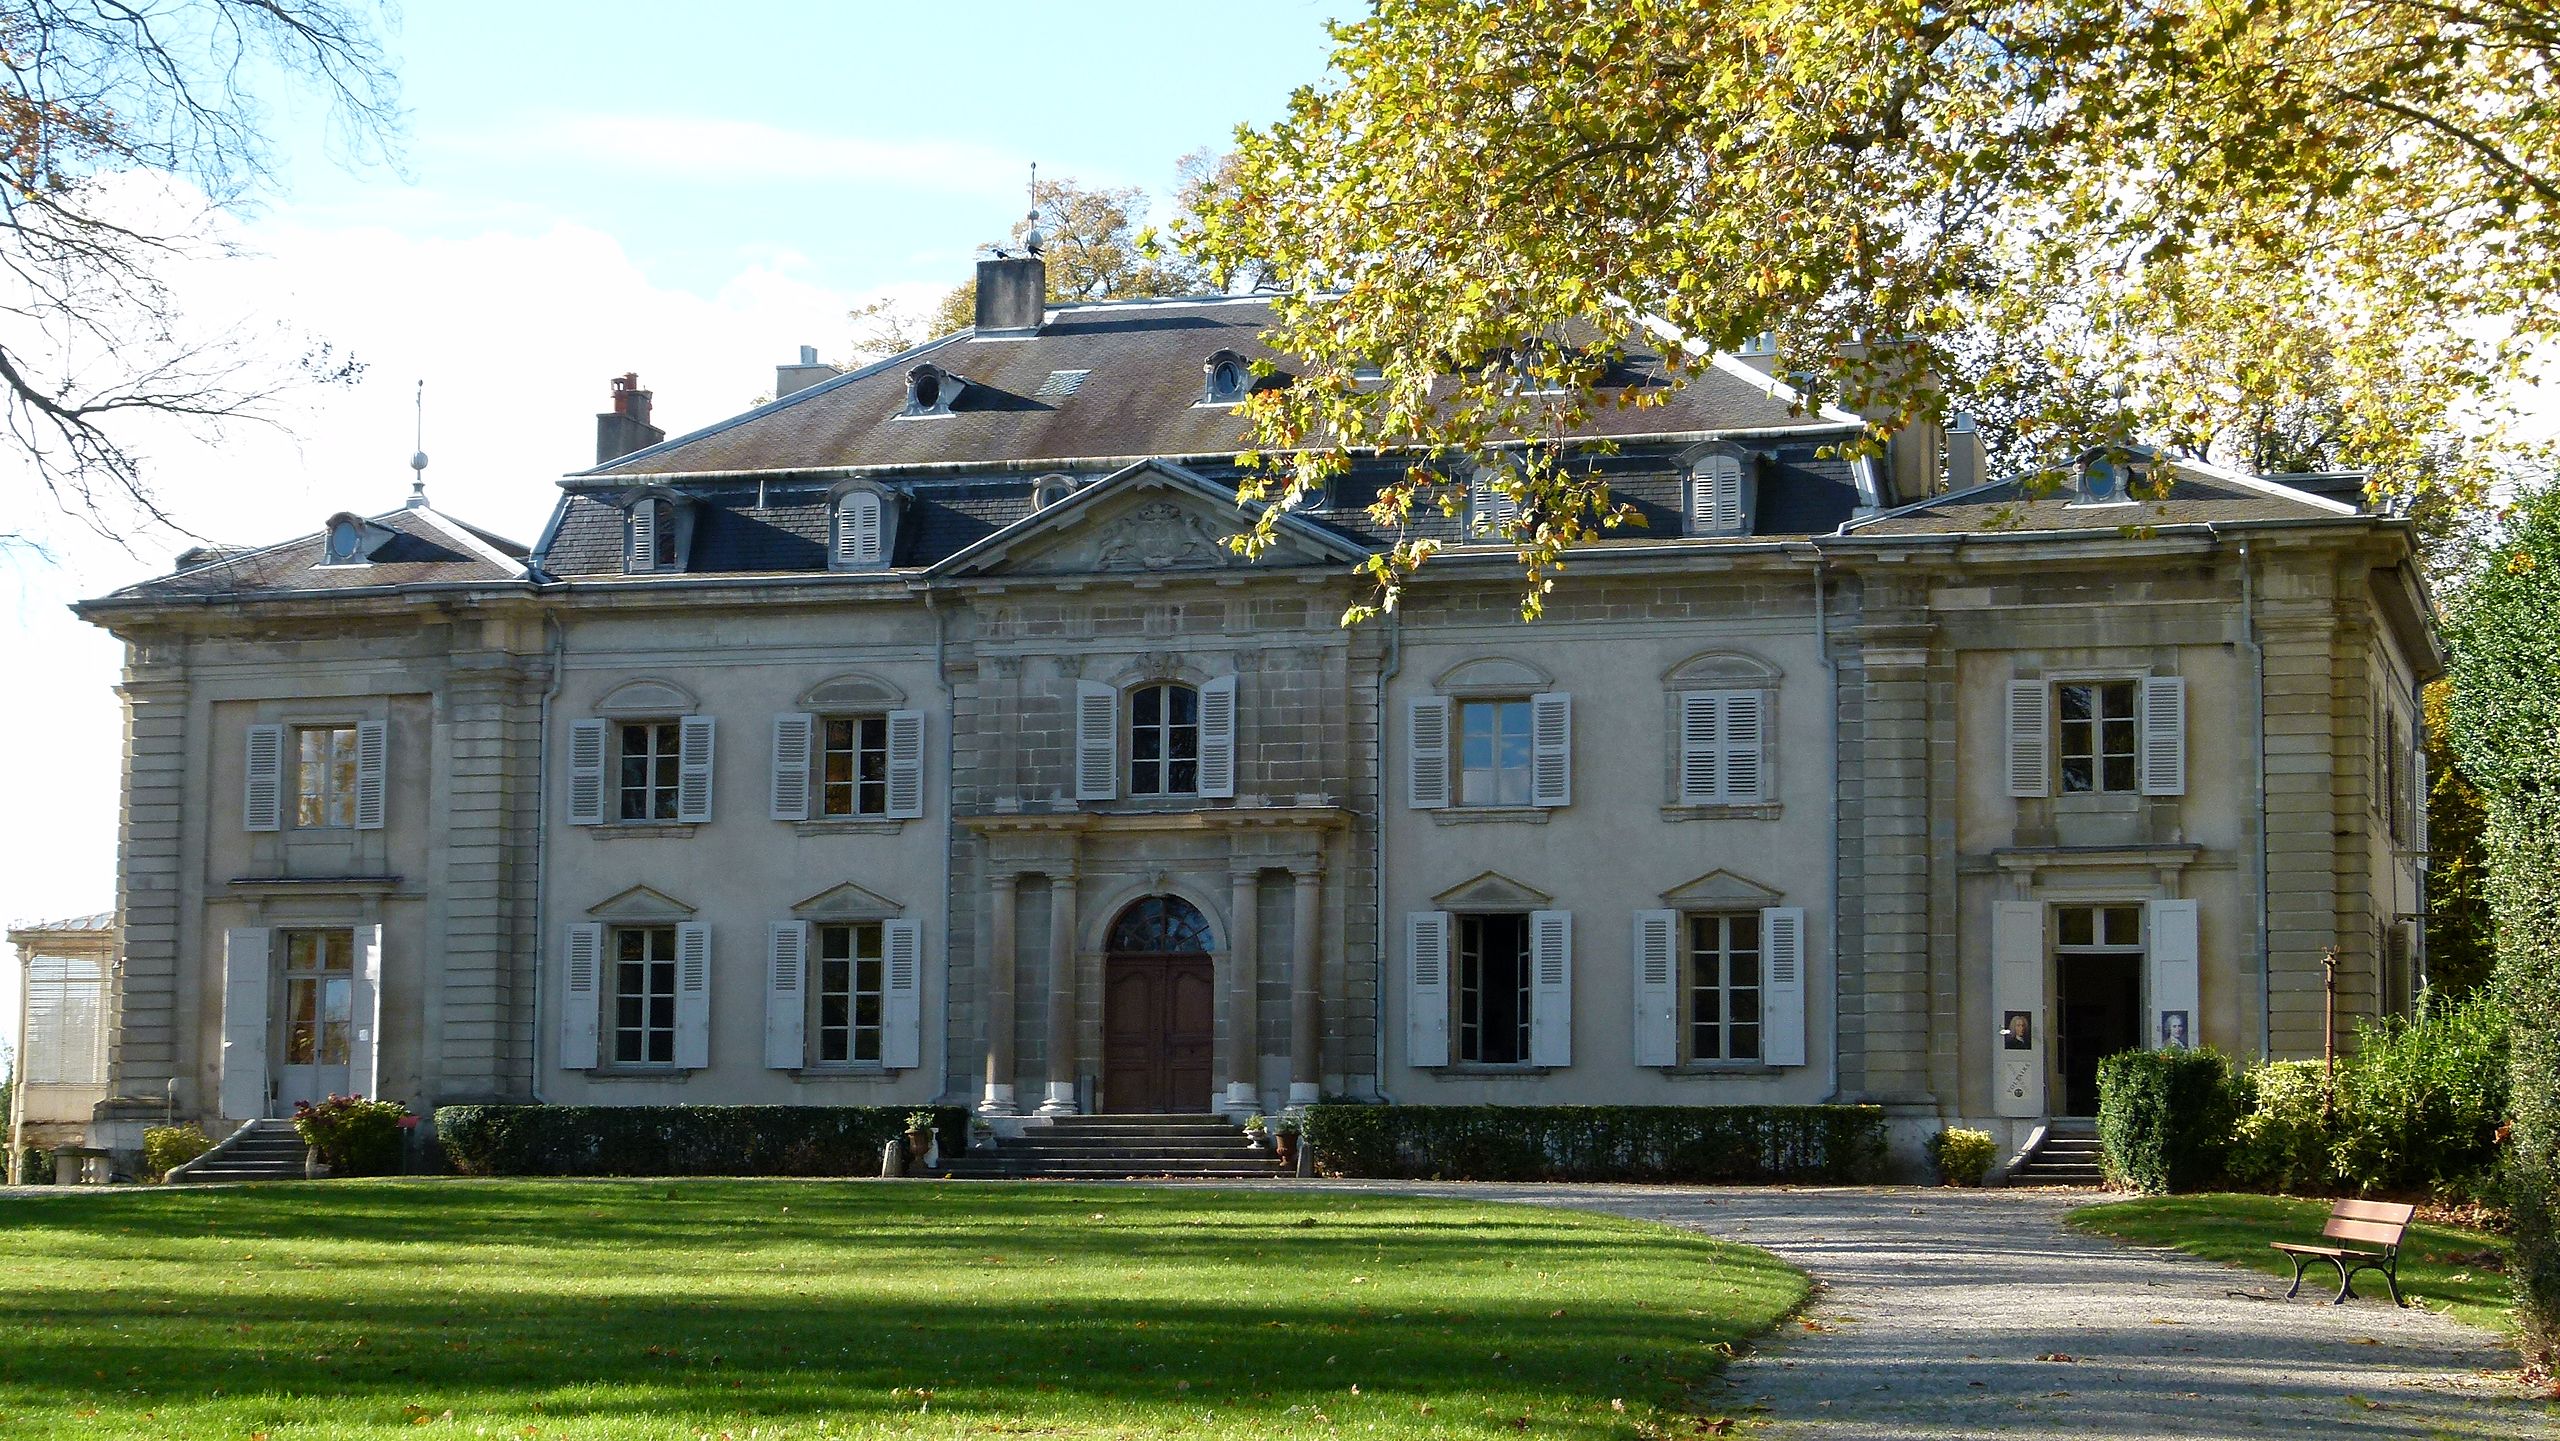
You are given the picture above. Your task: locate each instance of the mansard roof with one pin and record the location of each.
(2199, 494)
(424, 547)
(1101, 384)
(1154, 515)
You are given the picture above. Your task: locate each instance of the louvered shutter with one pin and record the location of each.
(906, 765)
(583, 990)
(786, 995)
(1097, 741)
(586, 772)
(2418, 800)
(793, 736)
(644, 538)
(902, 994)
(2030, 728)
(693, 995)
(1551, 738)
(2175, 958)
(244, 1022)
(1656, 963)
(1426, 992)
(262, 799)
(2017, 986)
(693, 769)
(1551, 988)
(1715, 504)
(2164, 735)
(858, 529)
(1745, 747)
(373, 765)
(1218, 738)
(1782, 985)
(1701, 721)
(1491, 510)
(364, 1051)
(1426, 752)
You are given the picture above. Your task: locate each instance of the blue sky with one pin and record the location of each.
(688, 191)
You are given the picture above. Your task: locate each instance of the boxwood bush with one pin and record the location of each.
(1745, 1144)
(2166, 1118)
(680, 1140)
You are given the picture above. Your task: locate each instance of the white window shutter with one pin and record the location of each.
(2174, 965)
(906, 765)
(1745, 746)
(644, 537)
(2164, 735)
(1715, 503)
(262, 800)
(693, 995)
(1426, 992)
(1657, 973)
(373, 766)
(902, 994)
(364, 1049)
(1782, 985)
(792, 740)
(1491, 510)
(1218, 738)
(1551, 988)
(583, 1007)
(244, 1022)
(2418, 800)
(858, 529)
(586, 772)
(693, 768)
(2030, 729)
(786, 995)
(1701, 721)
(2017, 985)
(1097, 741)
(1426, 752)
(1551, 742)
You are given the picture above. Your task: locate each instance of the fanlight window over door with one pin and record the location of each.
(1161, 925)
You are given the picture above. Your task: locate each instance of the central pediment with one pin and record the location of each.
(1150, 519)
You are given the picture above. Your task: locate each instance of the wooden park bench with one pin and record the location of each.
(2367, 1234)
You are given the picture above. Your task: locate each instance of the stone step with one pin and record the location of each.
(958, 1172)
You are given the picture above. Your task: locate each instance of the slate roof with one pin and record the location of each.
(1139, 397)
(2199, 496)
(426, 547)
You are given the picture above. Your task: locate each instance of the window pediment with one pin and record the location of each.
(852, 691)
(1494, 676)
(1492, 891)
(639, 904)
(848, 902)
(1724, 891)
(643, 699)
(1722, 668)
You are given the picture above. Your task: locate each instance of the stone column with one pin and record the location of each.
(1244, 967)
(998, 1100)
(1061, 1100)
(1306, 1059)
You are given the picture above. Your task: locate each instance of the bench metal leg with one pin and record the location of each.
(2296, 1288)
(2346, 1282)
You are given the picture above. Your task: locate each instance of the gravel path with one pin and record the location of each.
(1948, 1314)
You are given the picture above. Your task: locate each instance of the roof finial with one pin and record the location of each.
(418, 461)
(1032, 239)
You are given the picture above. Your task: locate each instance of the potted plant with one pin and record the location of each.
(1286, 1142)
(1255, 1129)
(919, 1134)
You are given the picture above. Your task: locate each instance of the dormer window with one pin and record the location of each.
(2112, 475)
(1228, 379)
(346, 541)
(858, 531)
(1492, 509)
(1720, 495)
(932, 390)
(1048, 490)
(653, 535)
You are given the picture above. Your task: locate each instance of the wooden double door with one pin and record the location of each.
(1159, 1032)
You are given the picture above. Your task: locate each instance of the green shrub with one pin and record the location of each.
(354, 1136)
(2421, 1100)
(2280, 1142)
(1745, 1144)
(2166, 1118)
(165, 1148)
(680, 1140)
(1962, 1157)
(35, 1167)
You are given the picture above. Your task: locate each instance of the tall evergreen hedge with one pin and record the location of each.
(2166, 1118)
(2503, 626)
(679, 1140)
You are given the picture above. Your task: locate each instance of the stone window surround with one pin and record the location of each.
(1487, 678)
(1723, 669)
(892, 503)
(680, 508)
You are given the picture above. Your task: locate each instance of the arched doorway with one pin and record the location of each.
(1159, 1008)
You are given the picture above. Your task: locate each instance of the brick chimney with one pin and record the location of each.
(626, 427)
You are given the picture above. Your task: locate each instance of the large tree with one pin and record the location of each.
(1097, 246)
(130, 128)
(2222, 225)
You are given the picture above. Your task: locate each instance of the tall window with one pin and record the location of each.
(324, 788)
(644, 996)
(1724, 987)
(848, 993)
(1493, 989)
(65, 1043)
(650, 761)
(2097, 734)
(1164, 741)
(319, 996)
(853, 766)
(1494, 753)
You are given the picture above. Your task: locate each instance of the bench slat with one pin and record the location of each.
(2377, 1232)
(2396, 1212)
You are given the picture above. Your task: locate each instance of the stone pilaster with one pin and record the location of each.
(997, 1098)
(1061, 1050)
(1306, 978)
(1244, 968)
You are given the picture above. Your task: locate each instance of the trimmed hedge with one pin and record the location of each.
(680, 1140)
(2166, 1118)
(1842, 1145)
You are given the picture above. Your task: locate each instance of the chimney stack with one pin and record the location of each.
(1013, 294)
(626, 427)
(1966, 459)
(792, 379)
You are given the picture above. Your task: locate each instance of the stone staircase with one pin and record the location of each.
(1116, 1148)
(2063, 1158)
(269, 1150)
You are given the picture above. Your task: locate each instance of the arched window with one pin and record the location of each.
(858, 541)
(346, 540)
(1719, 503)
(1048, 490)
(932, 390)
(1164, 740)
(650, 536)
(1228, 380)
(1160, 925)
(2113, 475)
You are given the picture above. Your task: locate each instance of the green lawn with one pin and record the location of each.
(2440, 1266)
(798, 1309)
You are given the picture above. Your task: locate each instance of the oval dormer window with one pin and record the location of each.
(1228, 380)
(346, 541)
(931, 390)
(928, 390)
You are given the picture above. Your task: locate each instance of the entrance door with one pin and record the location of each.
(315, 1023)
(2100, 1005)
(1159, 1009)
